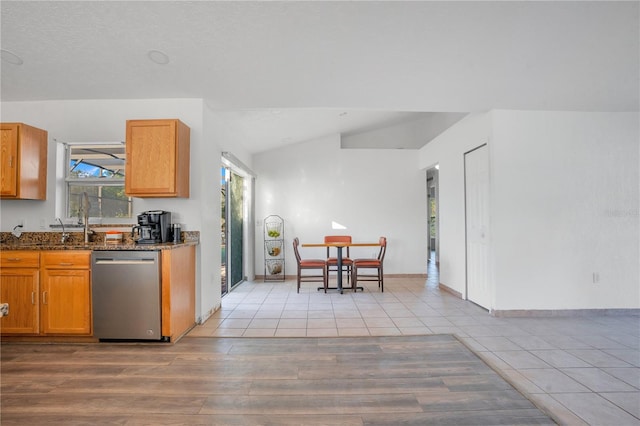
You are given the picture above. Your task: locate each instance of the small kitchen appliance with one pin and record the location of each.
(176, 231)
(153, 227)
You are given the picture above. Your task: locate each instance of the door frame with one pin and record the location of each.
(236, 166)
(434, 180)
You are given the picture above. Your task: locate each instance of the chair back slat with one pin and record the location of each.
(337, 239)
(383, 248)
(296, 243)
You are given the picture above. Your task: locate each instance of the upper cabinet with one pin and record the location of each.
(157, 162)
(23, 164)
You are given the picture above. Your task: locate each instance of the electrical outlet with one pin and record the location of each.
(43, 224)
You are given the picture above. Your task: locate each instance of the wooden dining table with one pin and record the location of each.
(339, 246)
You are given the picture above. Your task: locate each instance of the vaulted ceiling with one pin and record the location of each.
(287, 63)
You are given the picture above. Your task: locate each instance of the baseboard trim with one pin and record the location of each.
(546, 313)
(286, 277)
(293, 277)
(406, 276)
(207, 315)
(449, 290)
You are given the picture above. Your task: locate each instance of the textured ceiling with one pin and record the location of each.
(381, 57)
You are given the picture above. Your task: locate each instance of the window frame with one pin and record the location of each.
(70, 182)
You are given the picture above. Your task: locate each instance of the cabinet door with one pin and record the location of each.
(66, 301)
(178, 291)
(19, 288)
(9, 160)
(151, 158)
(157, 162)
(24, 162)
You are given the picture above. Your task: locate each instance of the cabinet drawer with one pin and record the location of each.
(19, 259)
(66, 259)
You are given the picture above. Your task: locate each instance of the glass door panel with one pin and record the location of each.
(224, 189)
(236, 229)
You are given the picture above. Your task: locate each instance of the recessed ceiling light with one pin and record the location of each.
(158, 57)
(11, 57)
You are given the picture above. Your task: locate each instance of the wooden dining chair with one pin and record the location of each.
(332, 262)
(316, 264)
(372, 263)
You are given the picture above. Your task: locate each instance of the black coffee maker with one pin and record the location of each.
(153, 227)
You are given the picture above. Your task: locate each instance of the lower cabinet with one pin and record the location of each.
(65, 306)
(52, 296)
(20, 288)
(178, 291)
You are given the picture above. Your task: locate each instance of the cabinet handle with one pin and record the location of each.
(65, 264)
(33, 297)
(44, 297)
(11, 161)
(14, 259)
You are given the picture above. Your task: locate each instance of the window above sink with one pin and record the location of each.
(97, 169)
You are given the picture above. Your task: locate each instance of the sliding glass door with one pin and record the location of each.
(236, 229)
(232, 230)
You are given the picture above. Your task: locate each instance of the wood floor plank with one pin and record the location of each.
(110, 404)
(355, 372)
(347, 386)
(456, 418)
(246, 420)
(313, 405)
(485, 400)
(180, 386)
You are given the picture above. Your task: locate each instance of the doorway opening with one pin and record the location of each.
(432, 214)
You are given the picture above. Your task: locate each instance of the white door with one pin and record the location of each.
(476, 166)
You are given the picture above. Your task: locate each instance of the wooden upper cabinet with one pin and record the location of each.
(157, 162)
(23, 163)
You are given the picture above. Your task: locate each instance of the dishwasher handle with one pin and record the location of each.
(123, 261)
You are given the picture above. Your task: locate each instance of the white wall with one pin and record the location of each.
(565, 205)
(105, 120)
(448, 150)
(372, 192)
(408, 134)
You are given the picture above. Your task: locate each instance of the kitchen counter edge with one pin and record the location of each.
(98, 246)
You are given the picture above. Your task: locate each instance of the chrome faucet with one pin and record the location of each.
(65, 235)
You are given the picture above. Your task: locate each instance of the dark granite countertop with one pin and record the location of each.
(95, 246)
(51, 241)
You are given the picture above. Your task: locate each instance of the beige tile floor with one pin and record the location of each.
(580, 369)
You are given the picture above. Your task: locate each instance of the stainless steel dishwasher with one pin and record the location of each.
(126, 295)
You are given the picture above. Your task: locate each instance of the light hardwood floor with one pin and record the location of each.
(411, 380)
